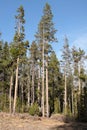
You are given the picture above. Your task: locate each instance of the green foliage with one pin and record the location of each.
(48, 25)
(18, 105)
(34, 109)
(55, 82)
(21, 107)
(4, 102)
(34, 51)
(66, 58)
(56, 106)
(31, 71)
(19, 34)
(82, 106)
(19, 46)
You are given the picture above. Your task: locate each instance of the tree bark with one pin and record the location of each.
(22, 96)
(16, 87)
(73, 101)
(47, 103)
(79, 79)
(28, 95)
(10, 90)
(33, 90)
(39, 100)
(65, 94)
(43, 79)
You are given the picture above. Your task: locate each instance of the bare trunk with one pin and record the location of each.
(39, 100)
(22, 96)
(72, 101)
(79, 93)
(43, 79)
(11, 83)
(16, 87)
(33, 96)
(65, 95)
(47, 103)
(79, 80)
(28, 85)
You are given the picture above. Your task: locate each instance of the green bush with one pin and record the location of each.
(56, 106)
(34, 109)
(4, 103)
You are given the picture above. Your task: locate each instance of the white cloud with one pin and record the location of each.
(81, 42)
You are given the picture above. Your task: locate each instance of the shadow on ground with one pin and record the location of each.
(71, 126)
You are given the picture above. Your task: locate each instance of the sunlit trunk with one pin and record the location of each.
(10, 90)
(43, 80)
(47, 103)
(33, 89)
(16, 87)
(65, 94)
(79, 79)
(39, 100)
(28, 95)
(22, 95)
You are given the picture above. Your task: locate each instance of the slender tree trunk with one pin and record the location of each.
(33, 91)
(39, 85)
(10, 90)
(16, 87)
(28, 96)
(79, 93)
(22, 96)
(72, 101)
(47, 102)
(79, 80)
(43, 79)
(65, 94)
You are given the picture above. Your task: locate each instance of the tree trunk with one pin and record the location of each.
(39, 100)
(16, 87)
(33, 90)
(73, 101)
(22, 96)
(65, 94)
(47, 103)
(79, 79)
(28, 95)
(10, 99)
(43, 80)
(79, 93)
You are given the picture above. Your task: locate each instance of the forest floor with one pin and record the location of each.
(27, 122)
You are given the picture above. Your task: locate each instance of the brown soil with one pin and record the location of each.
(27, 122)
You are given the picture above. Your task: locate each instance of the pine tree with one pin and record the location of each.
(66, 61)
(79, 76)
(46, 34)
(4, 72)
(19, 47)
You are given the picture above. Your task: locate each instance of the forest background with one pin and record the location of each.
(36, 76)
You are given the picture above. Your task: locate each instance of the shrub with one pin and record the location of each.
(34, 109)
(56, 106)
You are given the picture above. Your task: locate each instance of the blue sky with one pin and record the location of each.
(70, 18)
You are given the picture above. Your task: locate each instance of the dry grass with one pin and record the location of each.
(26, 122)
